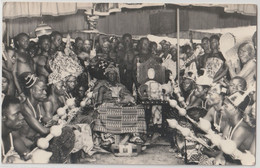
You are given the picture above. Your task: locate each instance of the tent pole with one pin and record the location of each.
(178, 45)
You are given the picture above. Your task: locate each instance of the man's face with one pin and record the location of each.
(186, 84)
(39, 91)
(13, 119)
(154, 48)
(23, 42)
(87, 46)
(105, 48)
(45, 45)
(214, 44)
(199, 91)
(81, 92)
(166, 47)
(235, 86)
(57, 41)
(127, 41)
(206, 45)
(243, 55)
(71, 83)
(145, 45)
(4, 84)
(112, 76)
(59, 88)
(174, 54)
(79, 44)
(213, 98)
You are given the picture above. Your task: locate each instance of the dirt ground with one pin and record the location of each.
(156, 154)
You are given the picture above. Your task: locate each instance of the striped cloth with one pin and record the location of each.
(119, 120)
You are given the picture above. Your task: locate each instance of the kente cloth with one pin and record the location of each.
(118, 120)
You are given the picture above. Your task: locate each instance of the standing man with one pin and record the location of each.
(215, 64)
(126, 62)
(24, 62)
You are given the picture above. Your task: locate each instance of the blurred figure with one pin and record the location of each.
(246, 54)
(78, 46)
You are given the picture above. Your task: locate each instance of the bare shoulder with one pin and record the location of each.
(40, 59)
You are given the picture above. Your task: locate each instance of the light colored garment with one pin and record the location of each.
(83, 139)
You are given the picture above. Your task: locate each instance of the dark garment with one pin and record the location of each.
(217, 55)
(62, 146)
(201, 62)
(125, 60)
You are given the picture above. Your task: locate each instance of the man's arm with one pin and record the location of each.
(16, 81)
(101, 92)
(240, 135)
(48, 108)
(19, 144)
(209, 114)
(247, 69)
(34, 123)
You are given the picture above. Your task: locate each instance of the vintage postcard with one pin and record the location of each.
(129, 83)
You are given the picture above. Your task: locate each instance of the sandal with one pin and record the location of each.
(136, 140)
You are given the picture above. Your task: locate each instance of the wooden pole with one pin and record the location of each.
(178, 45)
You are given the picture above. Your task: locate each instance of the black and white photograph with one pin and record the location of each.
(120, 83)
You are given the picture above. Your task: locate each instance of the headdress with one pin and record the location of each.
(28, 79)
(63, 66)
(55, 77)
(204, 80)
(112, 68)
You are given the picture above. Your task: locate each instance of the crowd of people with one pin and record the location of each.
(43, 81)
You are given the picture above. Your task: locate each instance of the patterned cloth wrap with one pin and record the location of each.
(193, 148)
(118, 120)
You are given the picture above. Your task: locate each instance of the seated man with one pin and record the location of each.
(12, 120)
(238, 129)
(215, 101)
(114, 95)
(38, 114)
(198, 96)
(187, 84)
(237, 84)
(113, 91)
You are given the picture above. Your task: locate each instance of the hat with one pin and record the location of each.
(239, 100)
(189, 74)
(204, 80)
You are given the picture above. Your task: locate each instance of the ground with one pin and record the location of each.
(156, 154)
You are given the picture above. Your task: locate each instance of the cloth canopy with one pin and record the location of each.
(104, 9)
(158, 21)
(13, 10)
